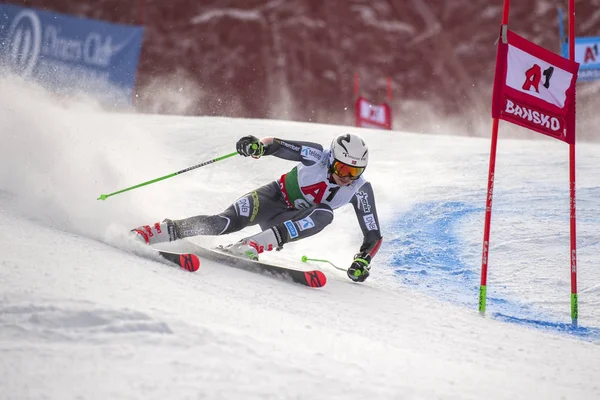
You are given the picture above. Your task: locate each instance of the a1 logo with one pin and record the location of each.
(316, 190)
(533, 77)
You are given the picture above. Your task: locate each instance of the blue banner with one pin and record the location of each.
(70, 53)
(586, 53)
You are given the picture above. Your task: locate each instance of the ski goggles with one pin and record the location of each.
(344, 170)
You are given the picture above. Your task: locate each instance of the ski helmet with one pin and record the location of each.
(349, 155)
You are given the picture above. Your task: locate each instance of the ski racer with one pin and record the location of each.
(300, 204)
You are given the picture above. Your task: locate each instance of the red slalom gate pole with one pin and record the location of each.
(490, 195)
(573, 227)
(488, 219)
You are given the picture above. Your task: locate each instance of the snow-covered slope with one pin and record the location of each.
(83, 316)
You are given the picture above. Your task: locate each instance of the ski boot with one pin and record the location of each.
(245, 248)
(160, 232)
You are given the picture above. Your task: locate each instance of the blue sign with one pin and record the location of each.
(586, 53)
(70, 53)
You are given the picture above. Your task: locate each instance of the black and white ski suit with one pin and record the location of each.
(298, 205)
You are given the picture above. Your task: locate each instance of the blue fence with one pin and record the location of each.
(68, 53)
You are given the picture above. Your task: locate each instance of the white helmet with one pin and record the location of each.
(350, 150)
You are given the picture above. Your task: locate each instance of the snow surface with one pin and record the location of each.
(83, 316)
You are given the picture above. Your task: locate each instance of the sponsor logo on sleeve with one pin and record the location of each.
(244, 206)
(291, 228)
(306, 223)
(363, 201)
(289, 145)
(256, 205)
(370, 222)
(311, 154)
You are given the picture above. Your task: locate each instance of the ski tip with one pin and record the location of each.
(189, 262)
(315, 278)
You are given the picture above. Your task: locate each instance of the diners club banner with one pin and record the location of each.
(534, 87)
(67, 53)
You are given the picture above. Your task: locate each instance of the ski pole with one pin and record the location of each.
(105, 196)
(305, 259)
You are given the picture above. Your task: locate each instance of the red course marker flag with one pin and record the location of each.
(534, 87)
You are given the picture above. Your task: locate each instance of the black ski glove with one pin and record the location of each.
(359, 270)
(250, 146)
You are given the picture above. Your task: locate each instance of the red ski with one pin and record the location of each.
(187, 261)
(313, 278)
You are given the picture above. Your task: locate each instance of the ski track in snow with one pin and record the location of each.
(440, 270)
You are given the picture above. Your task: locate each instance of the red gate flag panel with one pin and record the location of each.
(534, 88)
(369, 115)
